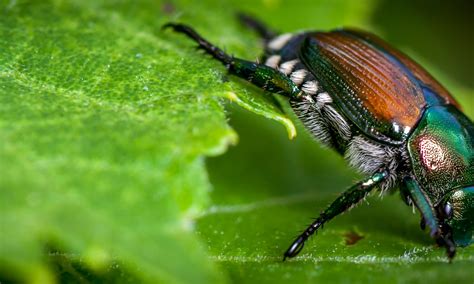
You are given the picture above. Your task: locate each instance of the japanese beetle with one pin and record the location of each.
(382, 111)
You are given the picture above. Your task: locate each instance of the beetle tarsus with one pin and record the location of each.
(261, 75)
(345, 201)
(203, 44)
(295, 247)
(445, 240)
(451, 251)
(422, 224)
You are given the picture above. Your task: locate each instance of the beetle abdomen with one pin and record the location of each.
(323, 121)
(317, 111)
(327, 125)
(323, 117)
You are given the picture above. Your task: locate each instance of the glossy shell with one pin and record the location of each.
(442, 148)
(379, 89)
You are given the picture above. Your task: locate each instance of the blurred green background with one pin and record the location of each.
(116, 156)
(431, 28)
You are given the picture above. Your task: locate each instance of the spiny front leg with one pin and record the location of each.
(344, 202)
(440, 232)
(260, 75)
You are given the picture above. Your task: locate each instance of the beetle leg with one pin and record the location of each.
(260, 75)
(441, 234)
(265, 33)
(421, 201)
(344, 202)
(445, 239)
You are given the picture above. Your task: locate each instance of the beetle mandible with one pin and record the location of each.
(383, 112)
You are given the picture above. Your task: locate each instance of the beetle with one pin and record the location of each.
(385, 114)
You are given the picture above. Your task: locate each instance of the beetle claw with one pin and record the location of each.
(451, 252)
(295, 248)
(423, 224)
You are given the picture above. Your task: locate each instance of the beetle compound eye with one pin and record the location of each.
(448, 210)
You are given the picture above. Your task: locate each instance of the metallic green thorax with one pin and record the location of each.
(441, 149)
(442, 156)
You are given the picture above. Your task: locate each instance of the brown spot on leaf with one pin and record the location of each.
(352, 238)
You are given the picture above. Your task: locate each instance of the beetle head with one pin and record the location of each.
(441, 149)
(457, 211)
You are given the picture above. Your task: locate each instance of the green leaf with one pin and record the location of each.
(105, 125)
(104, 133)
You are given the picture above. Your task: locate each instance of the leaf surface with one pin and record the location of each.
(105, 125)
